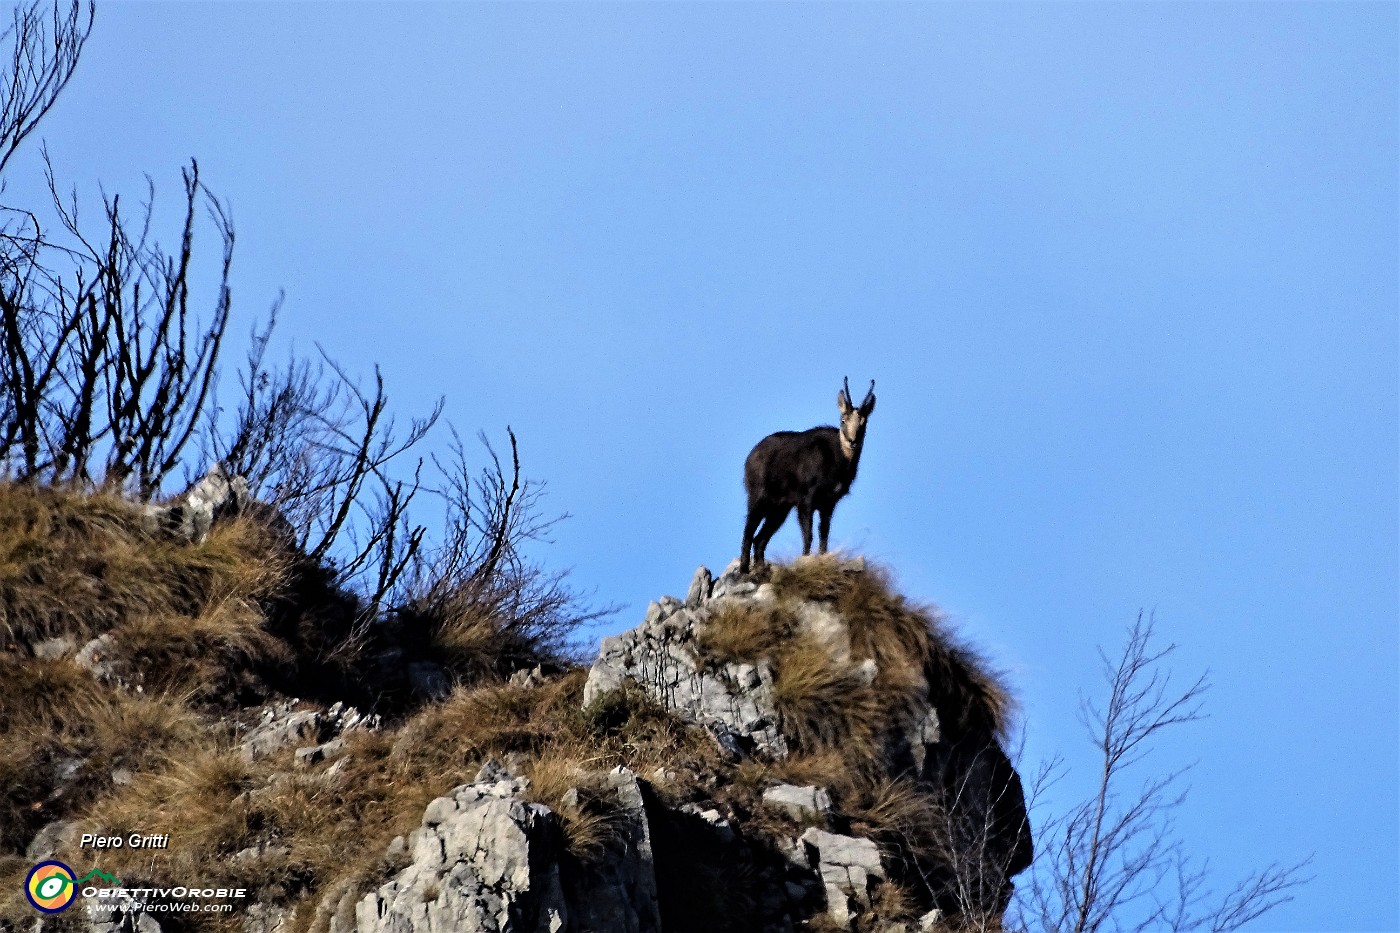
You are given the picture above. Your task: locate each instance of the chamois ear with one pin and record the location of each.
(843, 403)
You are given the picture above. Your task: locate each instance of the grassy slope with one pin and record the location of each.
(200, 637)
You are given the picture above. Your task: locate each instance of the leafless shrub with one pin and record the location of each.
(107, 364)
(1114, 861)
(477, 597)
(319, 449)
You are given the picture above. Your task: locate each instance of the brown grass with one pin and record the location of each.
(336, 828)
(79, 565)
(590, 819)
(51, 714)
(824, 704)
(744, 632)
(906, 641)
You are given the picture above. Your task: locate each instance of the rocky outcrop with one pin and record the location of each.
(733, 701)
(487, 859)
(848, 867)
(768, 835)
(315, 733)
(216, 496)
(619, 892)
(800, 803)
(483, 860)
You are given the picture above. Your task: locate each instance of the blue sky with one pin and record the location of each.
(1126, 276)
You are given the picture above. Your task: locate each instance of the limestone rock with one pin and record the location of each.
(848, 866)
(528, 677)
(619, 892)
(482, 860)
(801, 803)
(265, 918)
(55, 837)
(699, 588)
(315, 754)
(190, 516)
(734, 701)
(283, 726)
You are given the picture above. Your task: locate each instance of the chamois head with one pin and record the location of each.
(853, 419)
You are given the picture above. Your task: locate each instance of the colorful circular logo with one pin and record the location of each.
(50, 887)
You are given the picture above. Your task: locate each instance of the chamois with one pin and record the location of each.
(809, 470)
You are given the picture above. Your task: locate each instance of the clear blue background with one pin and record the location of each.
(1126, 275)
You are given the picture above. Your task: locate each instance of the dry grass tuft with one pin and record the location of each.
(199, 797)
(900, 814)
(67, 562)
(908, 643)
(824, 703)
(822, 577)
(78, 565)
(891, 904)
(970, 696)
(216, 656)
(744, 632)
(572, 786)
(822, 767)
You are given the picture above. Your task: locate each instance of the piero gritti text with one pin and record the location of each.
(132, 841)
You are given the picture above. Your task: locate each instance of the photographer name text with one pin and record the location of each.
(133, 841)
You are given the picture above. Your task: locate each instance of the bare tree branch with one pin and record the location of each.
(45, 47)
(1114, 861)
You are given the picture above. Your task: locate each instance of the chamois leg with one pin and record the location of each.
(804, 518)
(824, 526)
(750, 525)
(771, 522)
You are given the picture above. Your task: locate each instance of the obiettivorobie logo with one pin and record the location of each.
(51, 887)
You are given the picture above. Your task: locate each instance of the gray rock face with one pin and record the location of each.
(486, 860)
(54, 837)
(619, 892)
(315, 754)
(733, 701)
(848, 866)
(483, 861)
(700, 587)
(801, 803)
